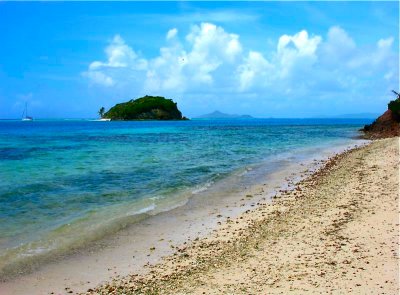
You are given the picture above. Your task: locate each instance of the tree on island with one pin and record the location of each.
(394, 105)
(101, 112)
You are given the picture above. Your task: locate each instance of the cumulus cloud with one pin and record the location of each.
(119, 56)
(209, 47)
(384, 51)
(99, 77)
(209, 59)
(172, 33)
(255, 67)
(296, 52)
(294, 57)
(338, 46)
(166, 70)
(314, 64)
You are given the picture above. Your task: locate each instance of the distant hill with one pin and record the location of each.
(352, 116)
(145, 108)
(220, 115)
(358, 116)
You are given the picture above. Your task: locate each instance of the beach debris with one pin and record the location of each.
(318, 214)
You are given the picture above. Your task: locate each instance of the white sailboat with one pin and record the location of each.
(25, 116)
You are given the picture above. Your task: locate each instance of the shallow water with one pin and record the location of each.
(66, 183)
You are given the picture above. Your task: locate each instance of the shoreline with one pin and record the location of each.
(336, 232)
(58, 242)
(113, 256)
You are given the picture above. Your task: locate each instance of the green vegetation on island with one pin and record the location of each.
(145, 108)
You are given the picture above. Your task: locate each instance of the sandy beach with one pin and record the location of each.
(316, 226)
(134, 248)
(202, 147)
(337, 232)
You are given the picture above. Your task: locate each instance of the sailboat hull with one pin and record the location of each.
(25, 116)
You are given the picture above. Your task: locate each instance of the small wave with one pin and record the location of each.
(141, 211)
(202, 188)
(36, 251)
(244, 171)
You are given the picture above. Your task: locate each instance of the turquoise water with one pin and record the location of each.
(64, 183)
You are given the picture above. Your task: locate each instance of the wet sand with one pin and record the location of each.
(135, 248)
(336, 232)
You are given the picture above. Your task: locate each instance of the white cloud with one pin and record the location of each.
(98, 77)
(119, 56)
(294, 56)
(209, 47)
(255, 67)
(211, 60)
(304, 45)
(381, 55)
(166, 71)
(172, 33)
(385, 43)
(296, 52)
(338, 44)
(384, 50)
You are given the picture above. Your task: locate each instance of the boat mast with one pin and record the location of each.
(24, 112)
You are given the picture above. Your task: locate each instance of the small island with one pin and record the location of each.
(145, 108)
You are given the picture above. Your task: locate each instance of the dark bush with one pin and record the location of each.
(394, 106)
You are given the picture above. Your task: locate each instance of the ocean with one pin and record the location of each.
(66, 183)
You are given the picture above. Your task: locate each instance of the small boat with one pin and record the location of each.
(104, 119)
(25, 116)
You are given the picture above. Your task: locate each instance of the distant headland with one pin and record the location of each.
(144, 108)
(388, 124)
(220, 115)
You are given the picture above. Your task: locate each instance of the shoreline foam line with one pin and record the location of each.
(68, 239)
(336, 232)
(202, 225)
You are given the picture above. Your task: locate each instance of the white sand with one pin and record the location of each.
(337, 233)
(129, 250)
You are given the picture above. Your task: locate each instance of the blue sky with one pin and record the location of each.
(267, 59)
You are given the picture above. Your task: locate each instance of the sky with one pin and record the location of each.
(265, 59)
